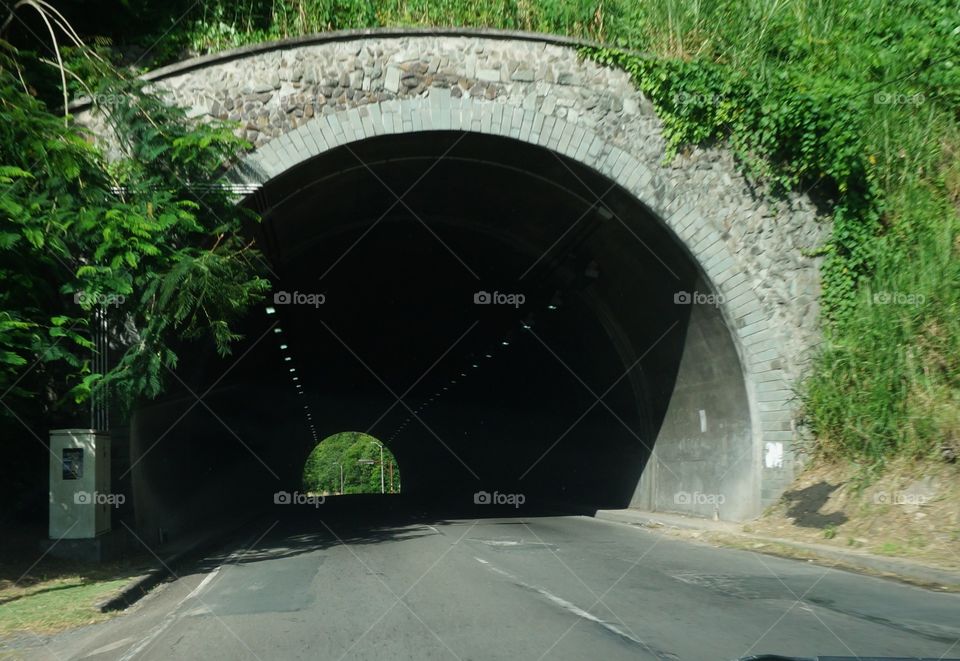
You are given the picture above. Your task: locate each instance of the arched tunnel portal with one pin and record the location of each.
(668, 306)
(502, 316)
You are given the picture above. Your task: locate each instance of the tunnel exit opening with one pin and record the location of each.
(351, 462)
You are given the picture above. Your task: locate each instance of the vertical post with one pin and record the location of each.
(99, 400)
(391, 477)
(382, 490)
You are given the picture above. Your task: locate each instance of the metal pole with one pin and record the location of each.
(382, 489)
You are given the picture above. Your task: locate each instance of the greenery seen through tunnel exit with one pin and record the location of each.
(349, 462)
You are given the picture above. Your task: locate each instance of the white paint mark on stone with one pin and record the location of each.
(773, 455)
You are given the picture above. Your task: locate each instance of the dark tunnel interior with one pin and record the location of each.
(382, 255)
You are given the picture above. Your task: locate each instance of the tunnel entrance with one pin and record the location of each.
(505, 318)
(351, 463)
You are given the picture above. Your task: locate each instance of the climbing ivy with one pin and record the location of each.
(789, 131)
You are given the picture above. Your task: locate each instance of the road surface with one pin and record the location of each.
(314, 586)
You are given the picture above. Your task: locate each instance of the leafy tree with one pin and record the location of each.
(132, 239)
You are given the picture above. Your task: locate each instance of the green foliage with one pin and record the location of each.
(321, 473)
(219, 25)
(132, 239)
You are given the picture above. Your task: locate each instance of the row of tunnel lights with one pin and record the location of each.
(526, 324)
(294, 377)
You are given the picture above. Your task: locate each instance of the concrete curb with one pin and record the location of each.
(141, 585)
(906, 571)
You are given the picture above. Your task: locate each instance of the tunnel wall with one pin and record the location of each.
(299, 98)
(704, 460)
(194, 463)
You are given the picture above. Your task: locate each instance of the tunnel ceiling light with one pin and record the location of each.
(287, 359)
(277, 330)
(293, 369)
(296, 378)
(505, 343)
(475, 366)
(489, 355)
(604, 213)
(271, 310)
(463, 373)
(283, 347)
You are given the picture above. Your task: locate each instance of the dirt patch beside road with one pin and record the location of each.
(911, 510)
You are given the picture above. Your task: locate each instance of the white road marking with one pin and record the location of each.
(563, 603)
(209, 577)
(171, 617)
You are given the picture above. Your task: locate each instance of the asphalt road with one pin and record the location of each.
(412, 587)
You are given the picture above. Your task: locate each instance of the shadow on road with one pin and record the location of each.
(360, 519)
